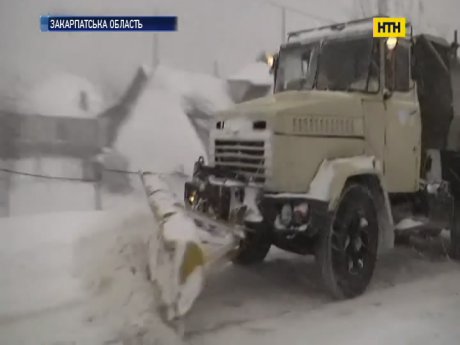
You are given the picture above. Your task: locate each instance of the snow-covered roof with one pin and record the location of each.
(203, 88)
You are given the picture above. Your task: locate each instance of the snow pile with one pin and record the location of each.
(27, 196)
(26, 193)
(64, 95)
(78, 278)
(256, 73)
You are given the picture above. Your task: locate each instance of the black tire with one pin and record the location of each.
(347, 251)
(455, 232)
(254, 248)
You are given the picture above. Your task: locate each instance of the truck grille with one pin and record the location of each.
(246, 157)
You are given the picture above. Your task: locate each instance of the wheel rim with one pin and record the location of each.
(356, 242)
(353, 253)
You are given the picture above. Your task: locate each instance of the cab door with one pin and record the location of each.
(402, 149)
(373, 107)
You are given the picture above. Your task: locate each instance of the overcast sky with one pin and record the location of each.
(231, 32)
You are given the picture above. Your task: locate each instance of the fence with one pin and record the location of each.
(30, 193)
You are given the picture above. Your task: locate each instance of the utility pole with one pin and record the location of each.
(284, 9)
(155, 47)
(216, 69)
(283, 24)
(382, 7)
(283, 12)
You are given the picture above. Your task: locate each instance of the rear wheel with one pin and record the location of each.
(254, 247)
(347, 251)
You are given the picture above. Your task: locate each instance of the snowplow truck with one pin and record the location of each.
(353, 140)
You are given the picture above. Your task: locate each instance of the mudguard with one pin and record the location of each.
(331, 178)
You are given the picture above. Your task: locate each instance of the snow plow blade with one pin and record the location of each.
(181, 253)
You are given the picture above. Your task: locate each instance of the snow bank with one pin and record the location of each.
(27, 193)
(78, 278)
(64, 95)
(256, 73)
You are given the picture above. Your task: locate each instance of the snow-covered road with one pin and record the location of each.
(79, 278)
(413, 300)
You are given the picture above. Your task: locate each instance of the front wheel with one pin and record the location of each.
(347, 250)
(254, 247)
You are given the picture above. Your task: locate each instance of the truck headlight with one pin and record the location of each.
(270, 60)
(192, 198)
(286, 215)
(392, 42)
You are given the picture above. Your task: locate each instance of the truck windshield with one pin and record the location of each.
(297, 68)
(346, 64)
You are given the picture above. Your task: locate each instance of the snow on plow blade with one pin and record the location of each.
(180, 253)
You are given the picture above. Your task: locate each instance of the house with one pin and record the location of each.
(45, 146)
(253, 81)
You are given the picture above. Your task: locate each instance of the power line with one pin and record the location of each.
(284, 10)
(361, 6)
(296, 10)
(47, 177)
(67, 178)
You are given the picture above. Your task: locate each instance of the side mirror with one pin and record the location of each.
(387, 94)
